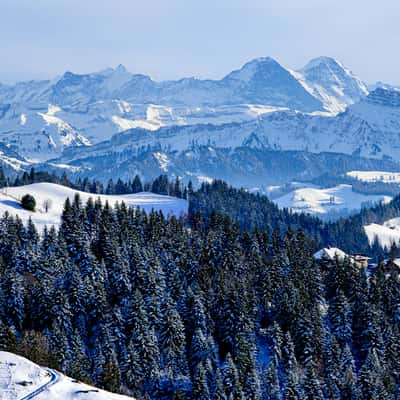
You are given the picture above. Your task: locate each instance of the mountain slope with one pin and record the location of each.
(332, 83)
(20, 379)
(369, 128)
(265, 81)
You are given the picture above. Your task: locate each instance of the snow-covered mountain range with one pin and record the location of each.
(41, 118)
(113, 122)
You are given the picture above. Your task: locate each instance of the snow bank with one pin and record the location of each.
(57, 194)
(20, 377)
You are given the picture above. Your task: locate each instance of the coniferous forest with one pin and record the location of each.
(207, 306)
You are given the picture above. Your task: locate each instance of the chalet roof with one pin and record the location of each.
(330, 253)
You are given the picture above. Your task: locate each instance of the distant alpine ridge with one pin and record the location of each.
(233, 127)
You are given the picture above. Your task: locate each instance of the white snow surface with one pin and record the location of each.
(386, 234)
(375, 176)
(324, 201)
(15, 369)
(330, 253)
(57, 194)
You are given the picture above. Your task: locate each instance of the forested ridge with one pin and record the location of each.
(196, 308)
(255, 211)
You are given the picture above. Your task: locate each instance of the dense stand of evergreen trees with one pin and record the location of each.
(195, 309)
(254, 211)
(251, 211)
(161, 185)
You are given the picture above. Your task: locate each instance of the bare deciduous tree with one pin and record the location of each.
(47, 203)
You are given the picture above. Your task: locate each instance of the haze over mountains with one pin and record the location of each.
(262, 123)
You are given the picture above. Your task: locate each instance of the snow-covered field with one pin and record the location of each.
(323, 202)
(20, 379)
(57, 194)
(375, 176)
(387, 233)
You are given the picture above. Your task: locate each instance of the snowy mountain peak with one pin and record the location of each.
(265, 81)
(248, 70)
(334, 84)
(323, 62)
(121, 68)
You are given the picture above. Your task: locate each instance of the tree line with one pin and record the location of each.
(160, 185)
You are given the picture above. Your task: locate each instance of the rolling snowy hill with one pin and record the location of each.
(329, 202)
(386, 234)
(57, 194)
(20, 379)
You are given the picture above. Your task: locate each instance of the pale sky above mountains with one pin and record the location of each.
(170, 39)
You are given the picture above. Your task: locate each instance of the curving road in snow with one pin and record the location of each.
(54, 378)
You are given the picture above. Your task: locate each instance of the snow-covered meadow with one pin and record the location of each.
(325, 202)
(57, 194)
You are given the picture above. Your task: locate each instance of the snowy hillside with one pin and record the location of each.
(21, 379)
(386, 234)
(11, 161)
(375, 176)
(57, 194)
(327, 202)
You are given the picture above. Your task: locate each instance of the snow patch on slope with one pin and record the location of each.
(14, 163)
(69, 134)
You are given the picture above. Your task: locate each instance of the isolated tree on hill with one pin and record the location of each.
(28, 202)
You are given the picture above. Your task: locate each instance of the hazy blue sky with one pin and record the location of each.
(204, 38)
